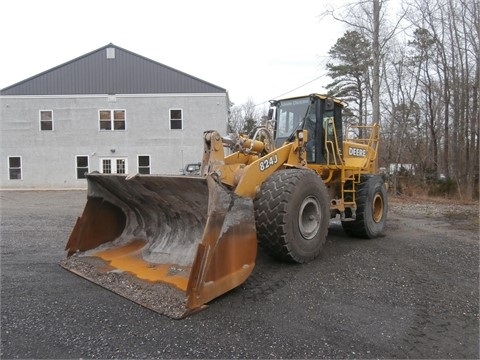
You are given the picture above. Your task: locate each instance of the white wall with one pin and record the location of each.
(48, 157)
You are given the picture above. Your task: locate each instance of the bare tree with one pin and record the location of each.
(453, 68)
(403, 132)
(244, 118)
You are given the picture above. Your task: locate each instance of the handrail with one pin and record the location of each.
(329, 124)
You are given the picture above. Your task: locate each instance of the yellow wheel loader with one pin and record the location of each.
(174, 243)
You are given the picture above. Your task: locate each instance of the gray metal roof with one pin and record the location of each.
(98, 73)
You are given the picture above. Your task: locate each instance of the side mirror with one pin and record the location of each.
(270, 114)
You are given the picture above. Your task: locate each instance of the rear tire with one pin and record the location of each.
(372, 208)
(292, 214)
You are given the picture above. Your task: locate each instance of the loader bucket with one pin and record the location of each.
(169, 243)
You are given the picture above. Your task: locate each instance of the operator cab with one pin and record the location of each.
(320, 115)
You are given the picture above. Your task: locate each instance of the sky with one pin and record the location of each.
(256, 49)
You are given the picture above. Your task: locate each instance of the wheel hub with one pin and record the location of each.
(309, 218)
(377, 208)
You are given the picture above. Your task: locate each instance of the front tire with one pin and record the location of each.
(292, 214)
(372, 208)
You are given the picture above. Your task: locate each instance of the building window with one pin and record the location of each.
(15, 168)
(107, 166)
(144, 164)
(176, 120)
(121, 166)
(46, 120)
(113, 165)
(82, 166)
(112, 119)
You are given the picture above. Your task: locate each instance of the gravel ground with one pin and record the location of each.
(413, 293)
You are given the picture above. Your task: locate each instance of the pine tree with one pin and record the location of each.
(351, 59)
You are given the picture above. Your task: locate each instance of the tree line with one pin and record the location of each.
(417, 73)
(413, 67)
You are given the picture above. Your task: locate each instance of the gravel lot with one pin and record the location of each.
(413, 293)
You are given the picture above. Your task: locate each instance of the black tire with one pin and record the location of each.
(372, 208)
(292, 214)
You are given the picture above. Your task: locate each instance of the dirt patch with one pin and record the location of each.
(155, 296)
(460, 215)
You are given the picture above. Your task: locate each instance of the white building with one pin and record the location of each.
(110, 110)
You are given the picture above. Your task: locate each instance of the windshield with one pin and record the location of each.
(289, 114)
